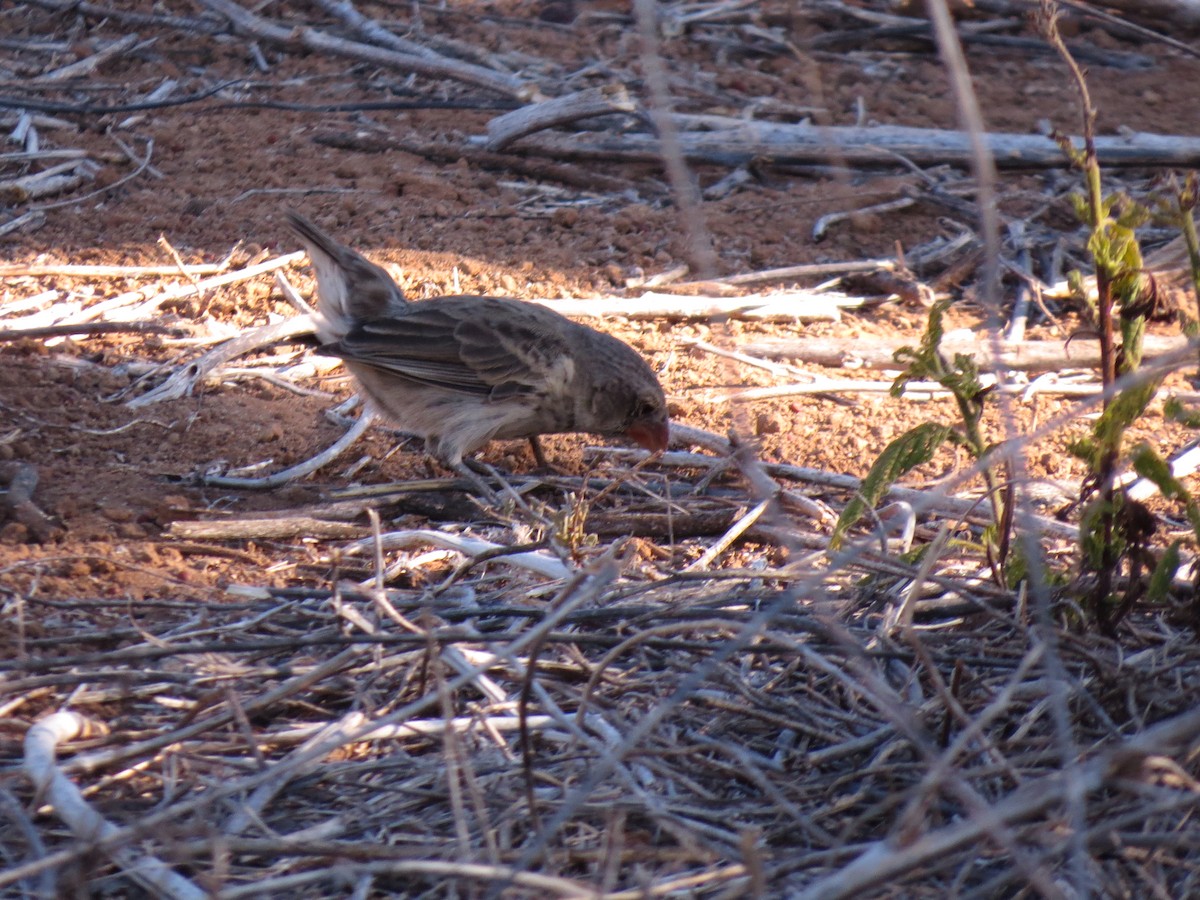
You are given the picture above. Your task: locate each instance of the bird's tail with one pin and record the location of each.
(352, 289)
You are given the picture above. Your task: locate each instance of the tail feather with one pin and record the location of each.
(351, 288)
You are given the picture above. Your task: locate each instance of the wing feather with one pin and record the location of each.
(476, 345)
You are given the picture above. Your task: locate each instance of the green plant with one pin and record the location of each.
(960, 376)
(1115, 531)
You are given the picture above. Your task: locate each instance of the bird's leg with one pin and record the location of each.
(479, 469)
(464, 469)
(539, 456)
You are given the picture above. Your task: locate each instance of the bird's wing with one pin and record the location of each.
(477, 345)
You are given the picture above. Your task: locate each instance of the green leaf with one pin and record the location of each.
(1079, 203)
(1149, 465)
(1133, 215)
(923, 362)
(1132, 332)
(1091, 533)
(901, 456)
(1175, 411)
(1084, 449)
(1124, 410)
(1164, 574)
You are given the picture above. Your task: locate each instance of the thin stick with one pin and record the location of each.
(336, 449)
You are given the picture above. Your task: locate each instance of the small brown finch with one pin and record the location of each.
(461, 371)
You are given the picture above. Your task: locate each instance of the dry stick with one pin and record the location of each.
(684, 885)
(542, 563)
(55, 180)
(35, 218)
(441, 67)
(417, 728)
(99, 11)
(185, 378)
(251, 808)
(583, 588)
(407, 871)
(87, 329)
(920, 391)
(866, 679)
(52, 785)
(373, 31)
(181, 268)
(1028, 356)
(1118, 25)
(264, 529)
(726, 540)
(103, 759)
(639, 731)
(924, 502)
(17, 270)
(1178, 13)
(36, 155)
(822, 225)
(142, 165)
(88, 64)
(509, 163)
(784, 305)
(1020, 313)
(686, 434)
(102, 310)
(14, 811)
(737, 143)
(883, 862)
(586, 104)
(300, 470)
(772, 367)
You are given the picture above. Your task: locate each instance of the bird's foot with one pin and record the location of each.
(475, 478)
(506, 500)
(543, 467)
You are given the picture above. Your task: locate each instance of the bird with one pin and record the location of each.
(464, 370)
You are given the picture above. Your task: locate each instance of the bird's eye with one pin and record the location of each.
(644, 410)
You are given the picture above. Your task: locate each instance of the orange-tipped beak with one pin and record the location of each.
(652, 435)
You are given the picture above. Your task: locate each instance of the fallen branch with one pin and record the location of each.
(437, 66)
(41, 744)
(86, 329)
(88, 64)
(105, 310)
(300, 470)
(276, 528)
(184, 379)
(55, 180)
(781, 306)
(601, 101)
(542, 563)
(734, 142)
(451, 152)
(1028, 356)
(19, 270)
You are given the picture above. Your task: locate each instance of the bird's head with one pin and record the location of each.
(631, 405)
(647, 424)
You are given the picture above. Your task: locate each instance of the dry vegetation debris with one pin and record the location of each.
(649, 677)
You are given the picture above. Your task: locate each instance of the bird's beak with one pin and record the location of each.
(650, 434)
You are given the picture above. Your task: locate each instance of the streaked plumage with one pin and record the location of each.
(461, 371)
